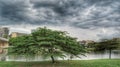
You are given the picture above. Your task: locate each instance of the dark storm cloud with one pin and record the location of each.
(86, 14)
(59, 6)
(13, 11)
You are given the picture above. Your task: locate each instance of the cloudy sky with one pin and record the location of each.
(84, 19)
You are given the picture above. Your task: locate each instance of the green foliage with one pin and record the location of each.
(56, 43)
(107, 44)
(48, 43)
(23, 45)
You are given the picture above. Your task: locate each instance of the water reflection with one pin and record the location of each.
(89, 56)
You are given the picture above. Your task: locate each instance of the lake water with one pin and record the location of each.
(89, 56)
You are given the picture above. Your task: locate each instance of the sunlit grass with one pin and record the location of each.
(70, 63)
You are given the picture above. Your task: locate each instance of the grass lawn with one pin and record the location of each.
(70, 63)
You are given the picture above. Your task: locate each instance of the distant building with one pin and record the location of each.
(86, 42)
(16, 34)
(3, 44)
(4, 32)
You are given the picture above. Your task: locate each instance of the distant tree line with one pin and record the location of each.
(105, 44)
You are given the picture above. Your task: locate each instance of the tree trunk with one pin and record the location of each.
(53, 60)
(110, 53)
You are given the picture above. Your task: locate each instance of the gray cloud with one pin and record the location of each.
(83, 14)
(13, 11)
(113, 33)
(78, 13)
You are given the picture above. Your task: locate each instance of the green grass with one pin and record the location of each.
(70, 63)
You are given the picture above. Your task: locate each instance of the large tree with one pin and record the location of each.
(47, 43)
(56, 43)
(107, 44)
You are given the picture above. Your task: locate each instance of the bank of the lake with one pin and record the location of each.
(115, 54)
(67, 63)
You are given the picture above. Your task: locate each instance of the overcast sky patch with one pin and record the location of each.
(85, 16)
